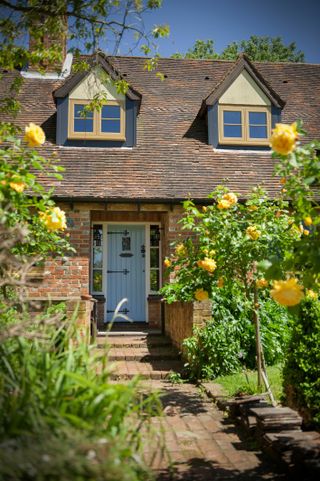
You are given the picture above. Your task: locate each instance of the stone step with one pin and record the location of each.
(159, 369)
(272, 419)
(142, 354)
(136, 341)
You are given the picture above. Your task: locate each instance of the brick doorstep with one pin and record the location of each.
(148, 356)
(133, 341)
(158, 369)
(142, 354)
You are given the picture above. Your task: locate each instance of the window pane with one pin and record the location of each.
(258, 132)
(110, 126)
(110, 112)
(78, 109)
(83, 125)
(154, 257)
(257, 118)
(232, 131)
(154, 235)
(154, 280)
(231, 117)
(97, 281)
(97, 257)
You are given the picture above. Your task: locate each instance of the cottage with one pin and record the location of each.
(131, 164)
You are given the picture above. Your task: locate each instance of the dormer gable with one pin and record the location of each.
(242, 109)
(112, 125)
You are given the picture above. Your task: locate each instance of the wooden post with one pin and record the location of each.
(258, 339)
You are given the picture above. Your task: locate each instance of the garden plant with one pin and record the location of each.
(60, 416)
(250, 256)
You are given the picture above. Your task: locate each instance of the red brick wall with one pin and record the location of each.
(182, 317)
(69, 276)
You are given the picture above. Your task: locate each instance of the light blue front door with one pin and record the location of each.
(126, 271)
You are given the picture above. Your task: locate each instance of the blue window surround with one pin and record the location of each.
(131, 107)
(213, 133)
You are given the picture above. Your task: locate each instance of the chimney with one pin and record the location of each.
(48, 43)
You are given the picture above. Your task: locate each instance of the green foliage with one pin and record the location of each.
(300, 172)
(71, 456)
(56, 384)
(245, 382)
(18, 165)
(227, 343)
(212, 351)
(89, 22)
(263, 49)
(257, 48)
(221, 234)
(302, 366)
(202, 49)
(52, 381)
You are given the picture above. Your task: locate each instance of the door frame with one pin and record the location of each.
(146, 225)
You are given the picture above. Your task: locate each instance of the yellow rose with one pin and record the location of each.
(306, 232)
(17, 186)
(220, 282)
(201, 295)
(253, 232)
(287, 293)
(252, 208)
(181, 250)
(34, 135)
(283, 180)
(308, 220)
(54, 219)
(167, 262)
(204, 208)
(231, 198)
(283, 138)
(295, 230)
(260, 283)
(310, 293)
(224, 204)
(207, 264)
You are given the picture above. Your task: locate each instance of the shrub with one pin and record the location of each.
(302, 367)
(70, 457)
(212, 351)
(227, 343)
(53, 382)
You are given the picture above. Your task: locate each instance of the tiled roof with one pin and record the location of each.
(172, 159)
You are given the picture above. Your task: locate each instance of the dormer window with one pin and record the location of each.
(242, 109)
(114, 125)
(244, 125)
(108, 123)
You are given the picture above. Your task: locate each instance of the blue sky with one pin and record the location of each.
(225, 21)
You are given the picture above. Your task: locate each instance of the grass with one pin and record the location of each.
(246, 382)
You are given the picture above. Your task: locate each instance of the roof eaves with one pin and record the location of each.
(243, 63)
(101, 59)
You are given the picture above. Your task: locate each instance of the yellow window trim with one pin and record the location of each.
(245, 138)
(96, 134)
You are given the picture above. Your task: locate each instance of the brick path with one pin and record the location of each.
(200, 443)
